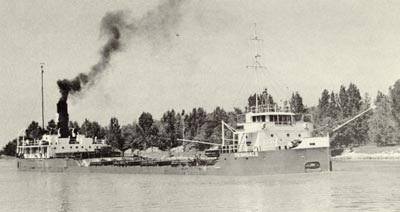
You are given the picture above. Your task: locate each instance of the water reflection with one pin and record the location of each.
(64, 194)
(368, 186)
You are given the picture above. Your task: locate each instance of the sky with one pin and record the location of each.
(199, 61)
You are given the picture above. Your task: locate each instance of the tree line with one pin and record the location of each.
(382, 126)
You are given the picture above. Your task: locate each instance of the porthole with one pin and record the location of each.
(55, 147)
(90, 147)
(62, 147)
(272, 135)
(76, 147)
(70, 147)
(299, 135)
(312, 165)
(82, 147)
(288, 135)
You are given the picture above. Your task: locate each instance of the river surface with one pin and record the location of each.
(352, 186)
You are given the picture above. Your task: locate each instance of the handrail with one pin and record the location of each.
(267, 108)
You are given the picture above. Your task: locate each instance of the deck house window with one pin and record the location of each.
(254, 119)
(263, 118)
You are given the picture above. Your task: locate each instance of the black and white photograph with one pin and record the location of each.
(199, 105)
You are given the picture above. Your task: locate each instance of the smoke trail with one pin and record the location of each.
(118, 30)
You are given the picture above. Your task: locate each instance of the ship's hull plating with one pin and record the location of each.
(251, 163)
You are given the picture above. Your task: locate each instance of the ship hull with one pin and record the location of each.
(241, 164)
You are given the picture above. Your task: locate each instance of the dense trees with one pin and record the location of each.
(395, 102)
(114, 135)
(34, 131)
(296, 103)
(129, 134)
(194, 123)
(381, 127)
(171, 129)
(334, 109)
(148, 130)
(92, 129)
(384, 125)
(10, 148)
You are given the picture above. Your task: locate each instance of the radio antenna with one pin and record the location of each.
(256, 63)
(256, 40)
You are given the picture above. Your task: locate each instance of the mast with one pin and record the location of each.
(41, 67)
(256, 63)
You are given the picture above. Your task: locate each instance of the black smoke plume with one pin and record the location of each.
(115, 26)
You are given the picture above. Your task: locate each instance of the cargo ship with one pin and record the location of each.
(267, 139)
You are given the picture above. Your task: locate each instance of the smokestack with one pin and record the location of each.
(63, 118)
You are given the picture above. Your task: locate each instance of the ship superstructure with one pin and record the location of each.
(66, 143)
(272, 128)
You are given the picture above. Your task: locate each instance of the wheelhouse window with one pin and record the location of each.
(281, 119)
(258, 118)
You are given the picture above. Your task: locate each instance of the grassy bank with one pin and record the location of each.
(370, 152)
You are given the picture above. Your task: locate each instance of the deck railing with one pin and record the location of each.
(267, 108)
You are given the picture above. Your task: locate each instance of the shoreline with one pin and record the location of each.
(370, 152)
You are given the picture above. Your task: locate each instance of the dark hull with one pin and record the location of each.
(262, 163)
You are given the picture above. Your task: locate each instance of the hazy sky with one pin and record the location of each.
(307, 46)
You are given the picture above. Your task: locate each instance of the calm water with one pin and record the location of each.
(354, 186)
